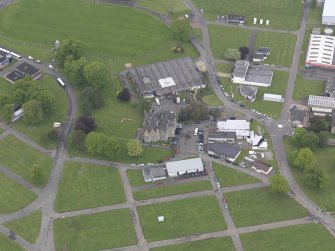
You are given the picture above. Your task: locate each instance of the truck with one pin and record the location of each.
(157, 101)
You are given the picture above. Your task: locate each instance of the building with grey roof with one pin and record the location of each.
(248, 92)
(223, 151)
(29, 70)
(151, 173)
(245, 74)
(321, 105)
(166, 78)
(261, 167)
(298, 117)
(158, 125)
(330, 87)
(226, 137)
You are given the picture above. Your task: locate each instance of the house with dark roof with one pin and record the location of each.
(298, 117)
(248, 92)
(29, 70)
(223, 151)
(151, 173)
(261, 167)
(158, 125)
(261, 54)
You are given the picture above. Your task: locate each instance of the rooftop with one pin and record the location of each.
(321, 101)
(320, 50)
(14, 76)
(221, 135)
(153, 173)
(259, 75)
(224, 149)
(166, 77)
(249, 91)
(184, 165)
(27, 69)
(329, 8)
(264, 167)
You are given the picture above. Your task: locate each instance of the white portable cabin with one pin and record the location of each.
(255, 20)
(267, 22)
(260, 21)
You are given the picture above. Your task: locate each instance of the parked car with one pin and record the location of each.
(51, 67)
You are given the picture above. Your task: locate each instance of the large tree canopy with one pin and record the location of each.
(96, 74)
(181, 30)
(69, 49)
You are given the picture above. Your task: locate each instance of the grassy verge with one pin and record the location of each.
(135, 178)
(260, 206)
(172, 190)
(283, 14)
(282, 47)
(325, 158)
(8, 245)
(13, 196)
(307, 237)
(163, 7)
(222, 38)
(304, 87)
(211, 100)
(95, 232)
(20, 158)
(182, 218)
(28, 227)
(215, 244)
(87, 186)
(229, 177)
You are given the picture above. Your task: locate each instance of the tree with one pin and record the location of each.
(94, 142)
(5, 99)
(298, 133)
(305, 159)
(92, 97)
(111, 148)
(244, 51)
(77, 140)
(46, 99)
(309, 139)
(74, 70)
(232, 54)
(319, 124)
(181, 30)
(292, 156)
(134, 148)
(52, 135)
(7, 112)
(124, 95)
(33, 112)
(279, 184)
(37, 174)
(95, 74)
(316, 177)
(69, 49)
(85, 124)
(195, 111)
(323, 138)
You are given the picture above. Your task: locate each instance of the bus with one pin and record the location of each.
(60, 81)
(196, 131)
(4, 50)
(17, 56)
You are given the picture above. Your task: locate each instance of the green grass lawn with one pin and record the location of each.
(215, 244)
(282, 47)
(315, 14)
(225, 68)
(20, 158)
(13, 196)
(182, 218)
(304, 87)
(308, 237)
(28, 227)
(229, 177)
(260, 206)
(283, 14)
(86, 186)
(135, 178)
(7, 244)
(163, 7)
(211, 100)
(58, 114)
(172, 190)
(325, 158)
(95, 231)
(5, 86)
(222, 38)
(273, 109)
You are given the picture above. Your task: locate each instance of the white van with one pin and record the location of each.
(196, 131)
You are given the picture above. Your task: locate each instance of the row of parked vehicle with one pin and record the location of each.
(177, 134)
(201, 136)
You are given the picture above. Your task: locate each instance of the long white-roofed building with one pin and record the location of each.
(320, 52)
(181, 167)
(240, 127)
(328, 14)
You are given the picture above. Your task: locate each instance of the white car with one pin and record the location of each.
(140, 164)
(30, 57)
(51, 67)
(218, 184)
(132, 164)
(38, 61)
